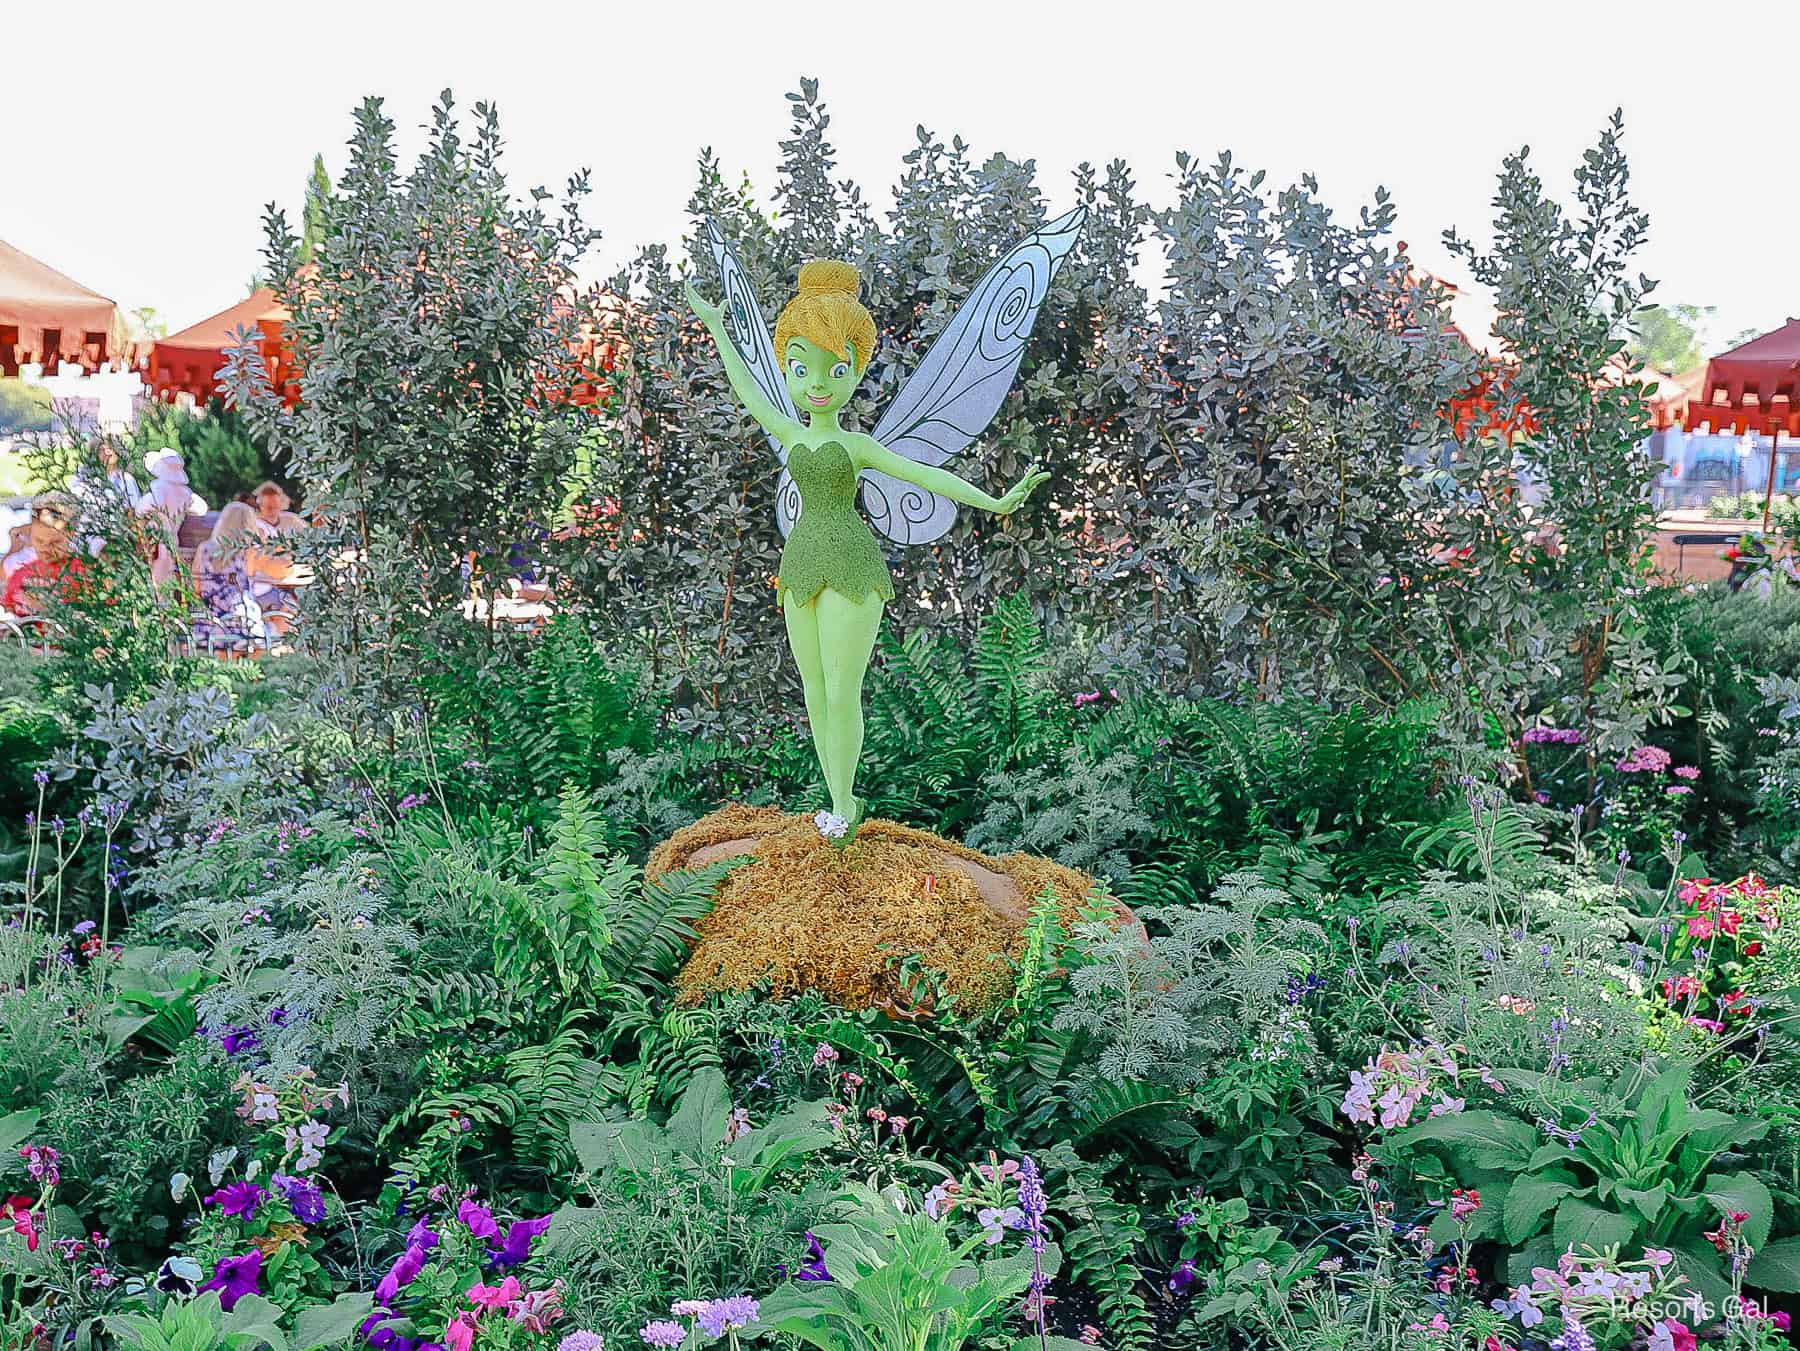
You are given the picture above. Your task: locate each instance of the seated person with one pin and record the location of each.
(271, 566)
(222, 575)
(274, 514)
(165, 503)
(52, 568)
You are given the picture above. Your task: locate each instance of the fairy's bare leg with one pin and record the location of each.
(847, 630)
(803, 641)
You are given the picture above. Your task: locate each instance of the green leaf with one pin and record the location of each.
(701, 1120)
(1663, 1104)
(1485, 1139)
(1705, 1271)
(1648, 1201)
(322, 1325)
(1777, 1267)
(1710, 1131)
(1529, 1200)
(1745, 1192)
(1579, 1224)
(15, 1130)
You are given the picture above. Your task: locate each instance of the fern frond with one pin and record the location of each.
(1100, 1242)
(652, 932)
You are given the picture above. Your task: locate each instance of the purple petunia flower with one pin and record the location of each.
(422, 1236)
(517, 1246)
(234, 1040)
(303, 1198)
(400, 1275)
(478, 1220)
(813, 1269)
(239, 1200)
(1183, 1276)
(235, 1277)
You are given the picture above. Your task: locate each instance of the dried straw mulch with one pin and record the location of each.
(804, 914)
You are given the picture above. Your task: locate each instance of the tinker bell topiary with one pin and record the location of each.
(833, 580)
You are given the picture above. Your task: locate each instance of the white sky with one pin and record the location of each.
(142, 143)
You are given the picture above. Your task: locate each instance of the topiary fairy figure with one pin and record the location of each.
(833, 580)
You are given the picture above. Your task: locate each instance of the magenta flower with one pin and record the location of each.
(235, 1277)
(495, 1296)
(239, 1200)
(517, 1246)
(406, 1266)
(478, 1219)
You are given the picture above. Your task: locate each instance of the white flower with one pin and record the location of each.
(831, 826)
(178, 1185)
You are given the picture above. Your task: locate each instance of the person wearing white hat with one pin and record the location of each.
(167, 502)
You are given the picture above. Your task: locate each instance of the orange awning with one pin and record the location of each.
(1753, 388)
(41, 309)
(189, 361)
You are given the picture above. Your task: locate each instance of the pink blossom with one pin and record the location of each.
(460, 1335)
(494, 1296)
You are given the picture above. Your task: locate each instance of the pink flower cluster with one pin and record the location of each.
(1645, 760)
(532, 1310)
(1585, 1287)
(1396, 1082)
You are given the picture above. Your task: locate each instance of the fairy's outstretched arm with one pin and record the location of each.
(774, 421)
(871, 454)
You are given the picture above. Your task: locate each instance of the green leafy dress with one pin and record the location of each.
(830, 545)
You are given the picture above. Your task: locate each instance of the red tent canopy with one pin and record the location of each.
(189, 361)
(1753, 388)
(49, 317)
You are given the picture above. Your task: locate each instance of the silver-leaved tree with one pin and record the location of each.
(432, 334)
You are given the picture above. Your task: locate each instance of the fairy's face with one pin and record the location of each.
(818, 381)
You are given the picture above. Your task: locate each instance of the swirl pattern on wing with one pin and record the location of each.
(959, 386)
(749, 333)
(905, 512)
(787, 502)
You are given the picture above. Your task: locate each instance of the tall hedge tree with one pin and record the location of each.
(432, 331)
(1567, 297)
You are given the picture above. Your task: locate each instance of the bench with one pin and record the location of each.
(1716, 539)
(194, 531)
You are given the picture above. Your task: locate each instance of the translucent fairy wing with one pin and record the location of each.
(905, 512)
(961, 383)
(749, 333)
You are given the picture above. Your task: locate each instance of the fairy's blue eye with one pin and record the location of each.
(798, 368)
(839, 371)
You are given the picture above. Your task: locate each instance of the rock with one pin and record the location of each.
(898, 919)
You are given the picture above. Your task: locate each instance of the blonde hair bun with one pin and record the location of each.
(825, 276)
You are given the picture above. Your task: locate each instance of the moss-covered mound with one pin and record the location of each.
(804, 914)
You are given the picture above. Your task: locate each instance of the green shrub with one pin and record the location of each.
(23, 407)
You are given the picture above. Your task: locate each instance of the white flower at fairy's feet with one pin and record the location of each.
(831, 826)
